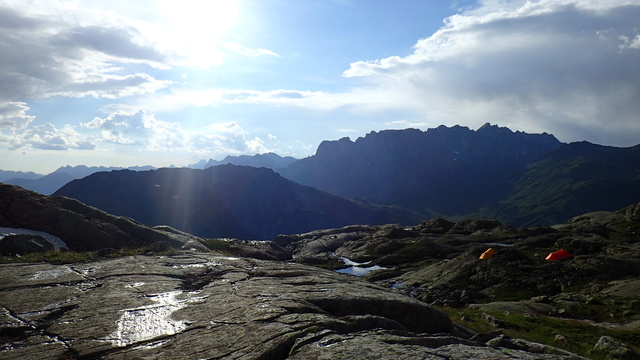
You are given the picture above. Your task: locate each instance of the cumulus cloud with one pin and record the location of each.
(13, 116)
(226, 138)
(48, 137)
(139, 128)
(146, 131)
(569, 67)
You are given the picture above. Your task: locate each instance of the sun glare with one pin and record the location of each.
(196, 27)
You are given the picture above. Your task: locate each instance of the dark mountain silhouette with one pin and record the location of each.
(447, 170)
(574, 179)
(45, 185)
(48, 184)
(268, 160)
(224, 201)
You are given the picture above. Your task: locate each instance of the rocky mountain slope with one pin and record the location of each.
(224, 201)
(573, 179)
(493, 173)
(80, 227)
(446, 170)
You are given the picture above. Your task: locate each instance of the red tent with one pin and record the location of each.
(558, 255)
(488, 254)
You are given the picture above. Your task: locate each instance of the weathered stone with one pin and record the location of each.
(195, 306)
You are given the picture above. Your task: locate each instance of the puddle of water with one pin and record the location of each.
(360, 271)
(150, 321)
(357, 269)
(54, 240)
(499, 244)
(134, 285)
(347, 261)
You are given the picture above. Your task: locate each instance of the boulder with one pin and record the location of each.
(21, 244)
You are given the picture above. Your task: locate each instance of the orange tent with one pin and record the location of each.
(558, 255)
(487, 254)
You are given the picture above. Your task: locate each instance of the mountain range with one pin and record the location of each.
(398, 176)
(268, 160)
(446, 171)
(48, 184)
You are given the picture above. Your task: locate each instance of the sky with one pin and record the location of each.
(172, 82)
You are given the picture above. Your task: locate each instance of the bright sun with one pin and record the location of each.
(195, 28)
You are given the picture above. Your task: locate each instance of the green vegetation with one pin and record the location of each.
(576, 336)
(70, 257)
(219, 245)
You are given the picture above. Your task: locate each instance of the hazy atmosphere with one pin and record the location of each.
(122, 83)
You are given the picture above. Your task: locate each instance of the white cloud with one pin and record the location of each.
(537, 66)
(245, 51)
(227, 138)
(139, 128)
(48, 137)
(112, 86)
(13, 116)
(146, 131)
(56, 48)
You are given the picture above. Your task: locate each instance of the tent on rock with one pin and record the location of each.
(487, 254)
(558, 255)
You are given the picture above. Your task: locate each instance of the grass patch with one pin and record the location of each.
(52, 257)
(71, 257)
(220, 245)
(580, 336)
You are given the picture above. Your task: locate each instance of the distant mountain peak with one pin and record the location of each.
(268, 160)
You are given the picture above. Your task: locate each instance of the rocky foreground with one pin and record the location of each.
(231, 299)
(438, 262)
(208, 306)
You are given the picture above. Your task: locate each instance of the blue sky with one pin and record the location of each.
(162, 82)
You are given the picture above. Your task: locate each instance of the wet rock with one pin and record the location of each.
(196, 305)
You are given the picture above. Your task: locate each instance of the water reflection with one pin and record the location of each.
(149, 321)
(358, 269)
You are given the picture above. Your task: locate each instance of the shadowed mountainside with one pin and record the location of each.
(574, 179)
(446, 170)
(81, 227)
(225, 201)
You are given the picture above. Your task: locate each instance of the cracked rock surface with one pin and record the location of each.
(208, 306)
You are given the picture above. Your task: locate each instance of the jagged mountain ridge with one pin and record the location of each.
(7, 175)
(224, 201)
(447, 170)
(268, 160)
